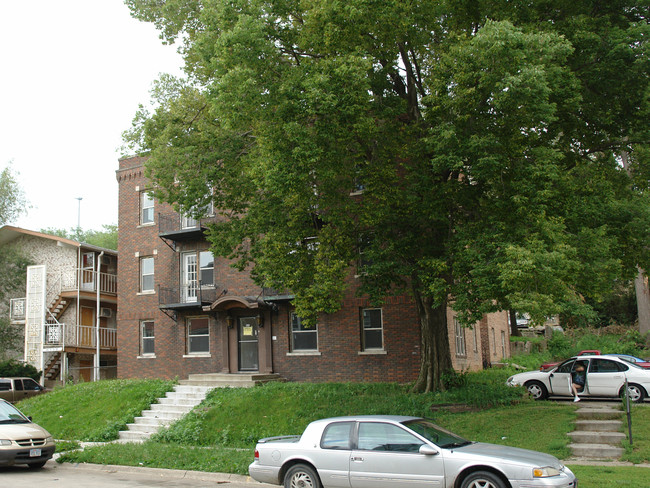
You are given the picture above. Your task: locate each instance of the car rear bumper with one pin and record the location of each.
(264, 474)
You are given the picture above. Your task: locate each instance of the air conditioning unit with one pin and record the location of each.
(105, 312)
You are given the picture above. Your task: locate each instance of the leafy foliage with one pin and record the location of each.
(464, 149)
(106, 238)
(12, 367)
(12, 198)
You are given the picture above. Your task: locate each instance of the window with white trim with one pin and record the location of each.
(146, 274)
(198, 335)
(372, 333)
(460, 338)
(147, 338)
(206, 268)
(146, 208)
(303, 337)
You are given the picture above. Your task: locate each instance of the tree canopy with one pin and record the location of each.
(106, 238)
(12, 198)
(468, 152)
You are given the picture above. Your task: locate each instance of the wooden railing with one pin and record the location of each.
(62, 335)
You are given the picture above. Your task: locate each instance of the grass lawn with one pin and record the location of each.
(220, 434)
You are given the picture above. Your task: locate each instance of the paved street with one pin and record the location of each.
(55, 475)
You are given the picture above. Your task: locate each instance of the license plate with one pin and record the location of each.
(34, 453)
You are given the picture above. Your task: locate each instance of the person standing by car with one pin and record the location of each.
(578, 381)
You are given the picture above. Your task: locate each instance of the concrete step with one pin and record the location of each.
(596, 413)
(162, 415)
(154, 421)
(596, 451)
(127, 435)
(163, 407)
(223, 380)
(599, 425)
(587, 437)
(192, 402)
(143, 428)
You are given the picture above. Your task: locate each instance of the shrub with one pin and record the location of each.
(13, 368)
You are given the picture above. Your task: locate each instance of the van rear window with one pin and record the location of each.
(5, 385)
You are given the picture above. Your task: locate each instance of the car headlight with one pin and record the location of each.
(49, 439)
(545, 472)
(5, 442)
(511, 382)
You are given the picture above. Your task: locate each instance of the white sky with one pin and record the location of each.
(72, 73)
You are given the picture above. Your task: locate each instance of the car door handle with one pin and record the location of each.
(357, 459)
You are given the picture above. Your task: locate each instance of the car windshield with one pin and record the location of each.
(10, 415)
(432, 432)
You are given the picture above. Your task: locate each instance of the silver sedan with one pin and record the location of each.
(397, 451)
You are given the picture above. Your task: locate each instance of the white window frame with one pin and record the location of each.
(143, 275)
(146, 339)
(459, 333)
(146, 207)
(189, 336)
(201, 255)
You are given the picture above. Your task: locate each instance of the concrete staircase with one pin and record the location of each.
(186, 395)
(598, 433)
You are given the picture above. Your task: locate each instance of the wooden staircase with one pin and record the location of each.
(53, 367)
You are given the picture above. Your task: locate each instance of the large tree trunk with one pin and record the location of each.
(641, 281)
(642, 302)
(514, 330)
(435, 357)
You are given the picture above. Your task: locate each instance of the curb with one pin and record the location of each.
(158, 472)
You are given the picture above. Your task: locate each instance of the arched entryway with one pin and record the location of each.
(246, 322)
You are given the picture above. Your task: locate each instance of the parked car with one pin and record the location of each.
(605, 377)
(15, 389)
(21, 440)
(396, 451)
(644, 363)
(551, 365)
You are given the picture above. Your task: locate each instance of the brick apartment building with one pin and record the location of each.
(183, 311)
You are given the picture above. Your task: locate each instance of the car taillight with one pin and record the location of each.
(257, 455)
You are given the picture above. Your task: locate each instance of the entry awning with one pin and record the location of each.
(226, 303)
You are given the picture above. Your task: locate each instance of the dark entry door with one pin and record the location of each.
(248, 344)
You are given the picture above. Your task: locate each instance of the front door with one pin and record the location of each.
(88, 271)
(189, 278)
(248, 344)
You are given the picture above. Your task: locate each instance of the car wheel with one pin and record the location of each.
(301, 476)
(537, 390)
(636, 392)
(483, 479)
(37, 465)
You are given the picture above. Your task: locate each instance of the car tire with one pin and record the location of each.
(637, 393)
(301, 476)
(537, 390)
(483, 479)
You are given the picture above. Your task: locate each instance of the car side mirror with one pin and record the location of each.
(427, 450)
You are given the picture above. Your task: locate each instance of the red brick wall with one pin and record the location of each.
(339, 358)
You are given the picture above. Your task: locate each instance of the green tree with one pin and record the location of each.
(106, 238)
(12, 198)
(12, 285)
(464, 159)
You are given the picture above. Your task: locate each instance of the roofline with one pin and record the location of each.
(9, 229)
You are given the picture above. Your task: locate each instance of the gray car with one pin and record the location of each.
(396, 451)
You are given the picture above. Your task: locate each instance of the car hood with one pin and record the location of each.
(508, 454)
(528, 375)
(22, 431)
